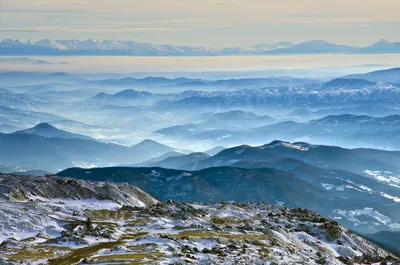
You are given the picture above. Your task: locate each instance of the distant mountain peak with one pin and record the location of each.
(302, 146)
(271, 46)
(148, 141)
(10, 41)
(387, 76)
(128, 92)
(101, 95)
(383, 41)
(47, 130)
(45, 125)
(58, 74)
(348, 82)
(275, 142)
(381, 44)
(148, 145)
(199, 155)
(155, 78)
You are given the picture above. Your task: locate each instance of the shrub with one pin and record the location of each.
(333, 230)
(218, 220)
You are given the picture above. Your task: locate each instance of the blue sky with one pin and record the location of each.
(216, 23)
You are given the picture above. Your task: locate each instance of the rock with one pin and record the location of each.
(43, 235)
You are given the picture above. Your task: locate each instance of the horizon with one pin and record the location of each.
(206, 23)
(34, 41)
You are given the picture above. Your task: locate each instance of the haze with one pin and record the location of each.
(209, 23)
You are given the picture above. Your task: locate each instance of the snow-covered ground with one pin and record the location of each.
(55, 221)
(387, 177)
(174, 232)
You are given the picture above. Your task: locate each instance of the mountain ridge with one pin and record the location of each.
(57, 153)
(46, 130)
(112, 47)
(333, 193)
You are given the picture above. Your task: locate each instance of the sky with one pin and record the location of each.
(213, 23)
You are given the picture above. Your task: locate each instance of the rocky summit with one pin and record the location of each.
(63, 221)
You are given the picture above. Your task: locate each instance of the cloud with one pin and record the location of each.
(203, 22)
(250, 10)
(329, 25)
(66, 29)
(229, 26)
(28, 29)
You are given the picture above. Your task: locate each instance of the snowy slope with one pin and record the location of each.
(68, 230)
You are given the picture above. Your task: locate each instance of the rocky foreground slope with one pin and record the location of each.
(62, 221)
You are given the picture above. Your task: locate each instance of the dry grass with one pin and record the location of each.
(130, 257)
(102, 215)
(208, 234)
(134, 263)
(35, 253)
(130, 236)
(77, 254)
(137, 222)
(143, 247)
(18, 196)
(226, 220)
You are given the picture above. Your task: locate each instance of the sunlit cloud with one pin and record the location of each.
(64, 29)
(32, 29)
(207, 22)
(384, 10)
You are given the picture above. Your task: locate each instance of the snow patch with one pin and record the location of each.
(353, 214)
(393, 198)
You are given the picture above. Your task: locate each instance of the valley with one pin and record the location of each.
(141, 168)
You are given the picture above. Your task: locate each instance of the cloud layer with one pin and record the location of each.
(205, 22)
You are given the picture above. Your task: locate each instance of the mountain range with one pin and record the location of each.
(358, 201)
(346, 129)
(390, 240)
(112, 47)
(335, 93)
(389, 75)
(127, 97)
(358, 187)
(52, 149)
(328, 157)
(126, 114)
(234, 120)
